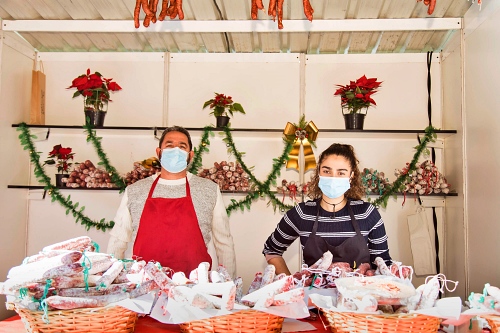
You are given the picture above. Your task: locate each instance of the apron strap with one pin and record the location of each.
(188, 190)
(315, 226)
(153, 187)
(353, 219)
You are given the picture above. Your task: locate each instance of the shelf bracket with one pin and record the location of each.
(431, 201)
(155, 133)
(42, 134)
(439, 143)
(37, 194)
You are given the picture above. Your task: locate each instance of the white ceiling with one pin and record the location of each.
(225, 26)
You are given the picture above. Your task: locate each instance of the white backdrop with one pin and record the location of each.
(166, 89)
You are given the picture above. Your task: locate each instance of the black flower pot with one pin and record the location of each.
(95, 118)
(222, 121)
(354, 121)
(59, 179)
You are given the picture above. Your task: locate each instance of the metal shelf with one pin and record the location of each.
(441, 133)
(41, 187)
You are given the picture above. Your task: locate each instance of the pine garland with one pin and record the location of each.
(26, 139)
(262, 188)
(398, 185)
(96, 142)
(202, 148)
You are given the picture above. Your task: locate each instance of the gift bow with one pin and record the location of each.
(303, 136)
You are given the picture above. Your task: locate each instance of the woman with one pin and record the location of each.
(336, 220)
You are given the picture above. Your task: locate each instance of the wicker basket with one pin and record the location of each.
(112, 319)
(350, 322)
(493, 321)
(244, 321)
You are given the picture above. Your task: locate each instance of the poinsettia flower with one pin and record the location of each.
(356, 95)
(113, 86)
(222, 104)
(94, 87)
(55, 149)
(60, 156)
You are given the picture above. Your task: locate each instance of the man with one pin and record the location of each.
(175, 218)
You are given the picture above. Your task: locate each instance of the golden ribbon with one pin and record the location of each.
(301, 136)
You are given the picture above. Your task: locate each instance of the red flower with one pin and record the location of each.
(94, 86)
(59, 157)
(356, 95)
(222, 104)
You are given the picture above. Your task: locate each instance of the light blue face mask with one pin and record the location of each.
(334, 187)
(174, 160)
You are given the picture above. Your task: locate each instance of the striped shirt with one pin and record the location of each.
(335, 229)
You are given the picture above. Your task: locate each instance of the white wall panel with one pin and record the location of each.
(482, 144)
(139, 103)
(269, 88)
(15, 92)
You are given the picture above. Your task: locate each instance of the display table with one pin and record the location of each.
(143, 325)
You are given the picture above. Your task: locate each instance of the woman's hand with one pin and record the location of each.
(280, 265)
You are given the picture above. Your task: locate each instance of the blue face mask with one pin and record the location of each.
(174, 160)
(334, 187)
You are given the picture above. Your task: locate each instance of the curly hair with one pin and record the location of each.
(356, 191)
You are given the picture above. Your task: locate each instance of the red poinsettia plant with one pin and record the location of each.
(222, 105)
(356, 95)
(94, 87)
(60, 157)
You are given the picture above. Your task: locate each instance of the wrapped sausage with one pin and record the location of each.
(225, 289)
(203, 268)
(67, 270)
(224, 273)
(255, 283)
(110, 274)
(37, 268)
(273, 288)
(268, 275)
(68, 303)
(161, 279)
(95, 291)
(291, 296)
(143, 289)
(78, 243)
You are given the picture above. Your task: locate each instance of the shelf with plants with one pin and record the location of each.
(365, 133)
(265, 188)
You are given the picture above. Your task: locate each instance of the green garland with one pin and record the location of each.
(26, 141)
(96, 142)
(399, 183)
(261, 188)
(196, 164)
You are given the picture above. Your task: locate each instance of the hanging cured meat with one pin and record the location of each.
(170, 8)
(276, 9)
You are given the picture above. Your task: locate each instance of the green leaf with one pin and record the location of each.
(207, 103)
(238, 107)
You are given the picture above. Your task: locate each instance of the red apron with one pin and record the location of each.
(170, 234)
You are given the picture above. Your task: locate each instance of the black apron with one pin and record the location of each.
(353, 250)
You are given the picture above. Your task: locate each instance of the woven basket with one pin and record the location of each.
(244, 321)
(112, 319)
(494, 322)
(349, 322)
